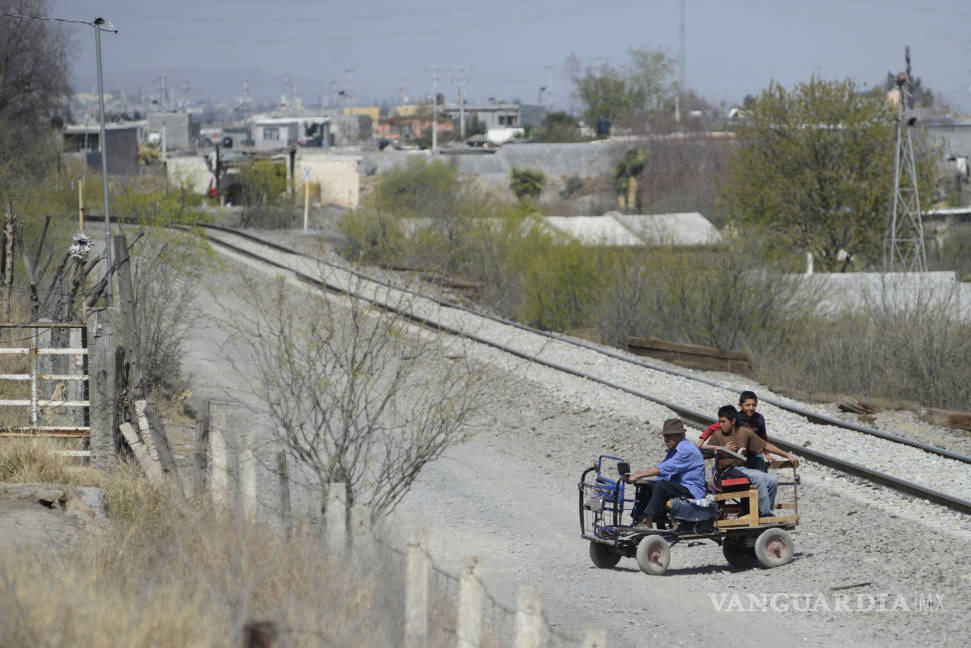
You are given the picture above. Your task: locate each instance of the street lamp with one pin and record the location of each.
(99, 24)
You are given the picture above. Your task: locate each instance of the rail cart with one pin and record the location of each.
(729, 518)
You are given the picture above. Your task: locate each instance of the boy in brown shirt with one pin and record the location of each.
(744, 440)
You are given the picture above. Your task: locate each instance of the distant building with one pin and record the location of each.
(492, 115)
(410, 127)
(374, 112)
(181, 130)
(533, 115)
(274, 133)
(271, 133)
(83, 141)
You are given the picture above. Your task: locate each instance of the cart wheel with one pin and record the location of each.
(653, 555)
(774, 548)
(739, 555)
(603, 556)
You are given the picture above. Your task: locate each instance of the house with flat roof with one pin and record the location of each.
(83, 141)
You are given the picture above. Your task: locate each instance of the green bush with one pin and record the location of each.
(372, 237)
(561, 281)
(526, 184)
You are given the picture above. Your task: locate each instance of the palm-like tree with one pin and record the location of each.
(625, 177)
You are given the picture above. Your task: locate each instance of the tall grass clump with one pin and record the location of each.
(165, 572)
(918, 352)
(31, 460)
(713, 297)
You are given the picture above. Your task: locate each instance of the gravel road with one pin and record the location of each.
(509, 496)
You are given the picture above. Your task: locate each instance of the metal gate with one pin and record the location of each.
(40, 406)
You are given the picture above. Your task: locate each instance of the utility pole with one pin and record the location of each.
(245, 96)
(903, 243)
(549, 85)
(434, 110)
(677, 95)
(185, 95)
(98, 22)
(462, 103)
(348, 95)
(163, 101)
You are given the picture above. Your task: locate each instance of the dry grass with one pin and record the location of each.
(167, 573)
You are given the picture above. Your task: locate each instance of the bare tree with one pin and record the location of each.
(166, 268)
(34, 89)
(357, 394)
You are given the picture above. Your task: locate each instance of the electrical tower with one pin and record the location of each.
(903, 243)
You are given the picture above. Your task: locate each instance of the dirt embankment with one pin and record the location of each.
(48, 516)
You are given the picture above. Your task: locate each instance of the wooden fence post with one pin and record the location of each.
(126, 300)
(416, 591)
(102, 387)
(470, 604)
(284, 474)
(594, 638)
(219, 478)
(247, 478)
(529, 609)
(201, 458)
(7, 261)
(360, 524)
(335, 519)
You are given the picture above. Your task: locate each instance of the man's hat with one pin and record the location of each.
(673, 426)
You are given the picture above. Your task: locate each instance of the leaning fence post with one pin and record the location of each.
(335, 519)
(594, 638)
(281, 469)
(416, 591)
(529, 609)
(470, 604)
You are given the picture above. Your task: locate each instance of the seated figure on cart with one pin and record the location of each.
(681, 474)
(744, 440)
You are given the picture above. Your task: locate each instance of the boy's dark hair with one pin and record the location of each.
(746, 395)
(729, 412)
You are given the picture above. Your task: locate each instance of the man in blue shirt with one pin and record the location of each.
(681, 474)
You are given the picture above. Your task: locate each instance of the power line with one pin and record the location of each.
(850, 21)
(527, 18)
(328, 19)
(927, 10)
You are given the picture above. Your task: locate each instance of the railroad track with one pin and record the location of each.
(346, 281)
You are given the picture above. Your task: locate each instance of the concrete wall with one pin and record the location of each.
(957, 139)
(180, 129)
(191, 171)
(586, 160)
(336, 174)
(897, 291)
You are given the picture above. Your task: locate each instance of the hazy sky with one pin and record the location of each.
(733, 47)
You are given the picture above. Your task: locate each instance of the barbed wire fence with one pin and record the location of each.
(437, 606)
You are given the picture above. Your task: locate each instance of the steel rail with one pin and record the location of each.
(813, 417)
(901, 485)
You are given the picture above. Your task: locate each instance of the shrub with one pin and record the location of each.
(560, 282)
(714, 298)
(526, 184)
(919, 352)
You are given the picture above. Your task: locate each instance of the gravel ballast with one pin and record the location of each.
(509, 496)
